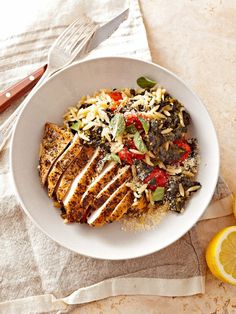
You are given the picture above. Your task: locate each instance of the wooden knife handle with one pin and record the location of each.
(16, 91)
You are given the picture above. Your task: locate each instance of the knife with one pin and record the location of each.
(19, 89)
(106, 30)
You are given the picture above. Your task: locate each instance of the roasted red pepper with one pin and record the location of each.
(185, 147)
(138, 156)
(127, 156)
(130, 144)
(157, 177)
(116, 96)
(132, 118)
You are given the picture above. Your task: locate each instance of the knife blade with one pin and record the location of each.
(106, 30)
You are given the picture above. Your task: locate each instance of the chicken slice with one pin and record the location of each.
(72, 171)
(99, 217)
(139, 206)
(99, 183)
(55, 140)
(62, 163)
(122, 207)
(123, 175)
(72, 200)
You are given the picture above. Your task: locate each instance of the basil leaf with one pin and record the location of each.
(113, 157)
(145, 82)
(131, 129)
(138, 142)
(145, 124)
(75, 126)
(158, 194)
(117, 125)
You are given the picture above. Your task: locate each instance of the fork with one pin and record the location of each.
(63, 51)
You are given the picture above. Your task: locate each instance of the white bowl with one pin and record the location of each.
(49, 103)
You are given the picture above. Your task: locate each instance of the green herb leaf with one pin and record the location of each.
(158, 194)
(113, 157)
(131, 129)
(117, 125)
(145, 82)
(138, 142)
(145, 124)
(75, 126)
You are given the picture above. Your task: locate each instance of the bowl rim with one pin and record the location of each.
(217, 156)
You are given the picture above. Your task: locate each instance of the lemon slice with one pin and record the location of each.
(221, 255)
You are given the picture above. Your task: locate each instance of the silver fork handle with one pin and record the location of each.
(7, 127)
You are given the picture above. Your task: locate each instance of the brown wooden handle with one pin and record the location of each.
(16, 91)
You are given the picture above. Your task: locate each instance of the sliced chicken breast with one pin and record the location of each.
(99, 183)
(62, 163)
(139, 206)
(122, 207)
(123, 175)
(99, 217)
(72, 200)
(72, 171)
(55, 140)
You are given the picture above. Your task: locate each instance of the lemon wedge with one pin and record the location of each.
(221, 255)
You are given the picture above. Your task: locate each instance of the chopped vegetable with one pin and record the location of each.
(172, 195)
(145, 124)
(157, 177)
(117, 125)
(186, 149)
(130, 144)
(113, 157)
(138, 156)
(75, 126)
(158, 194)
(139, 143)
(128, 156)
(132, 118)
(115, 95)
(145, 82)
(131, 129)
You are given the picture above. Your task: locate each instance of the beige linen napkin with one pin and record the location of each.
(38, 275)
